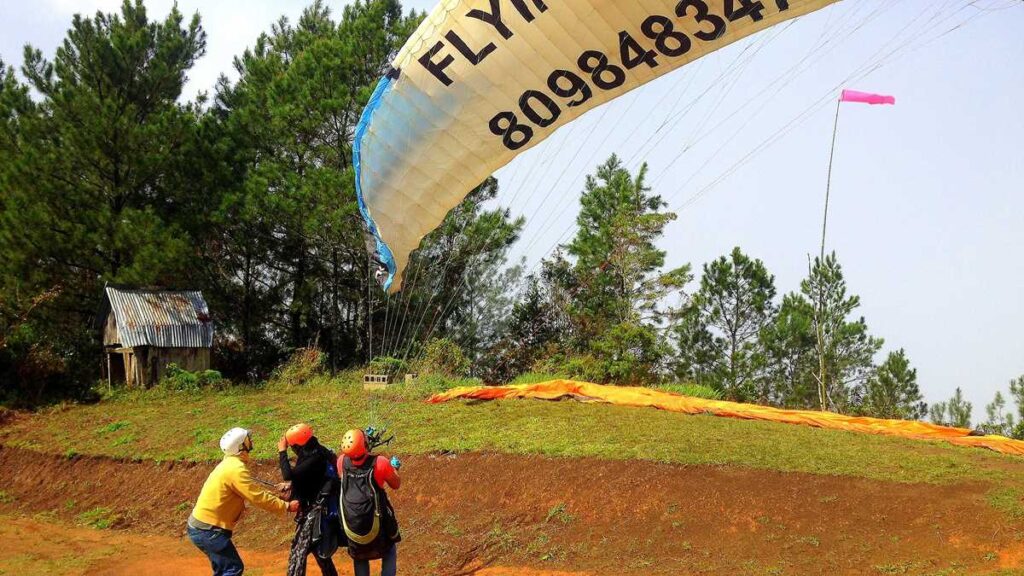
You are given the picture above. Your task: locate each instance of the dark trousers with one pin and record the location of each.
(388, 564)
(217, 546)
(326, 566)
(302, 547)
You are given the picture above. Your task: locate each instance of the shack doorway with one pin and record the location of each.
(115, 368)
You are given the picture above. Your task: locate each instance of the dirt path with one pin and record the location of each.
(37, 547)
(477, 513)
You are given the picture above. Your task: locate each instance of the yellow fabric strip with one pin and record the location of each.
(651, 398)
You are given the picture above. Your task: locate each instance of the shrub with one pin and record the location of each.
(6, 415)
(181, 380)
(394, 367)
(304, 365)
(444, 358)
(41, 364)
(536, 378)
(574, 367)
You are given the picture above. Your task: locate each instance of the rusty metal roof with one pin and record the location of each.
(166, 319)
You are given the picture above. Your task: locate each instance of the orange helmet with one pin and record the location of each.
(298, 435)
(353, 444)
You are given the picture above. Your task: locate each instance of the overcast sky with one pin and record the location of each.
(928, 196)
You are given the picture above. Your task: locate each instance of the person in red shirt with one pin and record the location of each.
(364, 479)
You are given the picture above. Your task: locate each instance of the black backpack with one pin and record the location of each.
(366, 514)
(327, 536)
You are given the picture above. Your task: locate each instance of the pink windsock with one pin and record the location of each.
(866, 97)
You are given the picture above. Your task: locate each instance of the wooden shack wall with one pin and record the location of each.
(110, 337)
(191, 359)
(145, 366)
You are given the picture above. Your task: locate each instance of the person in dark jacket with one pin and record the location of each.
(310, 481)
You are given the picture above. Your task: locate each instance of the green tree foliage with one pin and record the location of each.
(535, 325)
(15, 104)
(1017, 394)
(100, 171)
(16, 306)
(443, 357)
(844, 349)
(955, 412)
(790, 348)
(719, 334)
(998, 420)
(92, 181)
(959, 410)
(488, 316)
(290, 251)
(612, 288)
(892, 391)
(107, 175)
(456, 284)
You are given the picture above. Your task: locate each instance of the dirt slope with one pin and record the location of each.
(467, 512)
(36, 547)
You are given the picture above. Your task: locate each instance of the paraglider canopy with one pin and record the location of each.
(481, 81)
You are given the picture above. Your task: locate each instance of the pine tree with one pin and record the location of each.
(790, 348)
(92, 181)
(892, 392)
(999, 421)
(734, 305)
(15, 104)
(845, 350)
(959, 410)
(1017, 394)
(614, 287)
(289, 226)
(457, 284)
(535, 327)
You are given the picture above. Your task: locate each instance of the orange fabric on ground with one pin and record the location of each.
(651, 398)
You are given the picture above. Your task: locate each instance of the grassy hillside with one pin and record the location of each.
(161, 425)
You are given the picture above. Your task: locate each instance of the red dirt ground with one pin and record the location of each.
(38, 547)
(499, 515)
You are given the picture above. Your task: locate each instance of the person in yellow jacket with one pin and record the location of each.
(222, 501)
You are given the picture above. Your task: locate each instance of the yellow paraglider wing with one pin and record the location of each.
(481, 81)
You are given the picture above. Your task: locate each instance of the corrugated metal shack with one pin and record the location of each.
(145, 330)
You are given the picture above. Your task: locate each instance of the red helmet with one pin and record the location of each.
(298, 435)
(353, 444)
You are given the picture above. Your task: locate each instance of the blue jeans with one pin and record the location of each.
(388, 564)
(217, 546)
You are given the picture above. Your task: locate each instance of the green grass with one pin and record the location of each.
(112, 427)
(557, 512)
(1009, 501)
(168, 426)
(694, 390)
(535, 378)
(99, 518)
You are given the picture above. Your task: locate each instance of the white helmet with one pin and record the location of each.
(235, 441)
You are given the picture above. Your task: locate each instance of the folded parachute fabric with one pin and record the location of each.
(651, 398)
